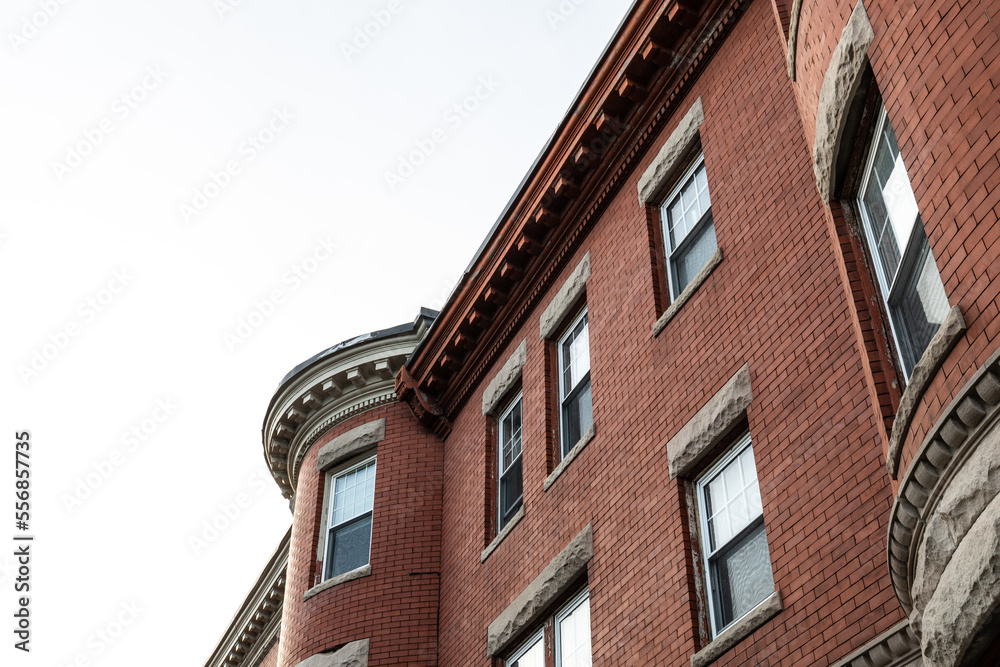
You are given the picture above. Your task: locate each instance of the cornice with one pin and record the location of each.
(328, 391)
(657, 55)
(973, 413)
(256, 625)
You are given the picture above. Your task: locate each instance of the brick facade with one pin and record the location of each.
(794, 298)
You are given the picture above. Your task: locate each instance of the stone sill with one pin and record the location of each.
(503, 533)
(572, 454)
(930, 362)
(688, 292)
(738, 631)
(336, 581)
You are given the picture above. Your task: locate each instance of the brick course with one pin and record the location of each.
(794, 297)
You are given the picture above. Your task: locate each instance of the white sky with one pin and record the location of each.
(132, 303)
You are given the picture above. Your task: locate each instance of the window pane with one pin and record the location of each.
(688, 263)
(922, 306)
(743, 577)
(510, 437)
(687, 206)
(732, 500)
(575, 356)
(578, 415)
(533, 657)
(350, 546)
(899, 200)
(511, 489)
(354, 494)
(574, 637)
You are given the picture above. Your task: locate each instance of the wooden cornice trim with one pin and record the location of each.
(544, 228)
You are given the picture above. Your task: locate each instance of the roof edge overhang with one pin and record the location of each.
(257, 622)
(644, 73)
(342, 381)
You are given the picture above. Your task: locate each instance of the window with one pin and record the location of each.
(573, 633)
(576, 408)
(688, 230)
(349, 538)
(910, 284)
(734, 545)
(511, 484)
(570, 636)
(532, 654)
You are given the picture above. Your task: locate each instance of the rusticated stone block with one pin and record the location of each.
(348, 444)
(835, 95)
(710, 424)
(505, 379)
(561, 572)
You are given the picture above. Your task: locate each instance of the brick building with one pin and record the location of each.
(721, 385)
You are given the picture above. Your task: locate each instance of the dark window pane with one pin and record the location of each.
(350, 546)
(689, 261)
(578, 415)
(743, 577)
(922, 306)
(511, 486)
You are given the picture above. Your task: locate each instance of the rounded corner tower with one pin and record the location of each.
(364, 482)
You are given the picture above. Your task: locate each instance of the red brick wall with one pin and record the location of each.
(949, 134)
(782, 301)
(396, 611)
(936, 67)
(271, 659)
(777, 301)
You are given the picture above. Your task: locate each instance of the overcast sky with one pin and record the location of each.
(196, 196)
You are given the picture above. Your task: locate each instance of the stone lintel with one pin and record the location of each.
(565, 299)
(350, 443)
(537, 599)
(672, 154)
(508, 376)
(710, 424)
(840, 83)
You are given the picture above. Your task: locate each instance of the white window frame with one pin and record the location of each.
(567, 609)
(707, 553)
(581, 597)
(518, 400)
(332, 493)
(706, 219)
(564, 392)
(910, 254)
(529, 644)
